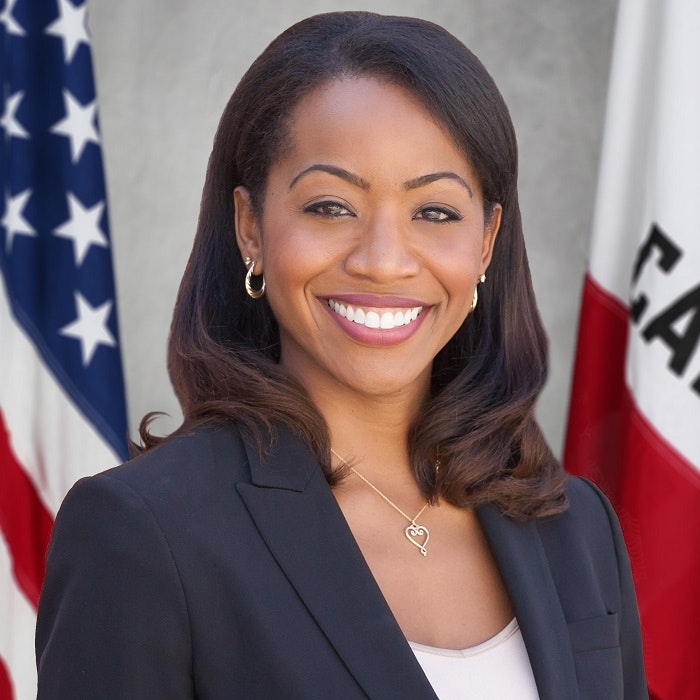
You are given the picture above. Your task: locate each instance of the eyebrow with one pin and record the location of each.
(356, 180)
(433, 177)
(332, 170)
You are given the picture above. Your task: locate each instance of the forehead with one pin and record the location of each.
(363, 118)
(341, 99)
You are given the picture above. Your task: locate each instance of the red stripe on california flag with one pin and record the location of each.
(592, 440)
(5, 683)
(24, 521)
(655, 491)
(659, 506)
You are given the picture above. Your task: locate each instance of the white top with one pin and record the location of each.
(495, 669)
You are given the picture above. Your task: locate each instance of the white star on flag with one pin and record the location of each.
(71, 27)
(82, 227)
(11, 24)
(90, 328)
(9, 121)
(78, 125)
(13, 221)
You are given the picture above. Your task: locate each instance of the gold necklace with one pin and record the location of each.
(416, 534)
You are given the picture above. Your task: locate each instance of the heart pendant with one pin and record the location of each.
(415, 534)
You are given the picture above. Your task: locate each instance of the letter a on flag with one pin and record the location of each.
(62, 408)
(634, 423)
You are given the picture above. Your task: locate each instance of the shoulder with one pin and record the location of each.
(588, 522)
(585, 542)
(186, 476)
(588, 506)
(199, 452)
(161, 506)
(589, 514)
(183, 464)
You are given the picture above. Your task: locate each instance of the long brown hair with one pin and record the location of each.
(224, 347)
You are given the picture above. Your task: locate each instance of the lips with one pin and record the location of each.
(374, 317)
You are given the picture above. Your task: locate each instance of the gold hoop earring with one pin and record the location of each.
(252, 292)
(475, 298)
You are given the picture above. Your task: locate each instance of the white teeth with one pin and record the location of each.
(372, 319)
(387, 320)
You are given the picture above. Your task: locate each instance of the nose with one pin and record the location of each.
(383, 251)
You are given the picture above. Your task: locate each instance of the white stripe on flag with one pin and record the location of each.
(49, 436)
(618, 221)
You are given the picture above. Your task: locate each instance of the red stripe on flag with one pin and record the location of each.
(655, 491)
(24, 520)
(5, 683)
(659, 506)
(597, 395)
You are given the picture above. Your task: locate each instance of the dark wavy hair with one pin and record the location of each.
(224, 346)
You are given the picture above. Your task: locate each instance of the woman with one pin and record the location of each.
(359, 503)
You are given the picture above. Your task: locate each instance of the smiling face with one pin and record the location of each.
(371, 237)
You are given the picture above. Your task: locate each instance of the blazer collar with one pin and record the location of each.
(304, 529)
(519, 553)
(289, 464)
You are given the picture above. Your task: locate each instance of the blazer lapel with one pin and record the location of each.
(523, 564)
(304, 529)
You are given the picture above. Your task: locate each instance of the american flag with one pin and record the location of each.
(62, 407)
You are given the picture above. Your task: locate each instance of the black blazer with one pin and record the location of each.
(198, 571)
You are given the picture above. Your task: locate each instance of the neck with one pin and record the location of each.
(371, 432)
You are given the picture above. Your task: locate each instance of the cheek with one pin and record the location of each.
(457, 268)
(292, 263)
(283, 248)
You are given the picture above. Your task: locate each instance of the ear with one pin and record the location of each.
(247, 228)
(491, 226)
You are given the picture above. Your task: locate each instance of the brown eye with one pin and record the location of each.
(437, 215)
(328, 209)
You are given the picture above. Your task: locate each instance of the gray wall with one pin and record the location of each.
(165, 69)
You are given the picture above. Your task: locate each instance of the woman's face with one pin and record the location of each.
(372, 238)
